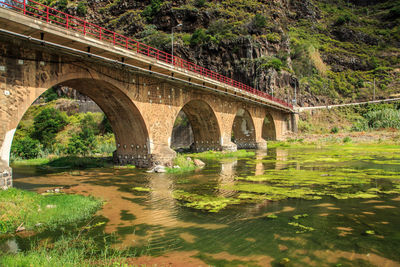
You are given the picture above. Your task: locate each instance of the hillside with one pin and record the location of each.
(329, 51)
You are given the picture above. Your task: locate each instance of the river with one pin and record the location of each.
(295, 206)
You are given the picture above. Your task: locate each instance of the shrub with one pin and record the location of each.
(199, 3)
(342, 20)
(335, 130)
(273, 37)
(259, 21)
(81, 9)
(46, 124)
(274, 63)
(62, 4)
(50, 95)
(199, 36)
(385, 118)
(151, 10)
(347, 139)
(26, 148)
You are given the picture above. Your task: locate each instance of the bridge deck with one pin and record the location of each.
(28, 26)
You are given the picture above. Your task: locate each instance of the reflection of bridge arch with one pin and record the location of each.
(204, 124)
(268, 128)
(128, 125)
(243, 130)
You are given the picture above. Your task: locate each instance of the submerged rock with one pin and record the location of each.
(159, 169)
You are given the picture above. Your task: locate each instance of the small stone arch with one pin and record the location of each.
(268, 128)
(243, 130)
(204, 126)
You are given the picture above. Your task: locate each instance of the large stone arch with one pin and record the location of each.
(268, 128)
(243, 130)
(204, 123)
(127, 122)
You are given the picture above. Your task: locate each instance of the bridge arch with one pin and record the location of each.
(204, 125)
(131, 135)
(243, 130)
(268, 132)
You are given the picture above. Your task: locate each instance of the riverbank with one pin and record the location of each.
(386, 136)
(28, 211)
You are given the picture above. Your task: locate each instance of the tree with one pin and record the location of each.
(26, 148)
(47, 124)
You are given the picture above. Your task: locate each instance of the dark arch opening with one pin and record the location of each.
(197, 119)
(268, 128)
(131, 137)
(243, 130)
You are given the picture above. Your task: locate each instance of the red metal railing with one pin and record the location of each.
(53, 16)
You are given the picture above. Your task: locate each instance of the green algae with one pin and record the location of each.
(141, 189)
(298, 216)
(222, 154)
(310, 173)
(203, 202)
(302, 228)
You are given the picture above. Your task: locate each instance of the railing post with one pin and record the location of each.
(67, 22)
(100, 34)
(137, 47)
(114, 38)
(47, 14)
(84, 28)
(126, 42)
(24, 7)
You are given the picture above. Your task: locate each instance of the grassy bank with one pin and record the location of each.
(70, 162)
(69, 251)
(19, 208)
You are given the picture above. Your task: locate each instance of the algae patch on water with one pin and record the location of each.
(203, 202)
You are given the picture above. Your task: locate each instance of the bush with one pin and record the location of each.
(335, 130)
(26, 148)
(50, 95)
(199, 3)
(259, 21)
(199, 36)
(273, 37)
(62, 4)
(385, 118)
(83, 143)
(47, 124)
(151, 10)
(342, 20)
(274, 63)
(347, 139)
(81, 9)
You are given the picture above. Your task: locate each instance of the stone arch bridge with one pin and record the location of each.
(141, 95)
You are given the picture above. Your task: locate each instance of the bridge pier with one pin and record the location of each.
(5, 175)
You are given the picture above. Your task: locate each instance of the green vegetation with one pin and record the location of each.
(36, 212)
(203, 202)
(184, 164)
(331, 180)
(141, 189)
(44, 131)
(46, 125)
(222, 154)
(69, 251)
(68, 162)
